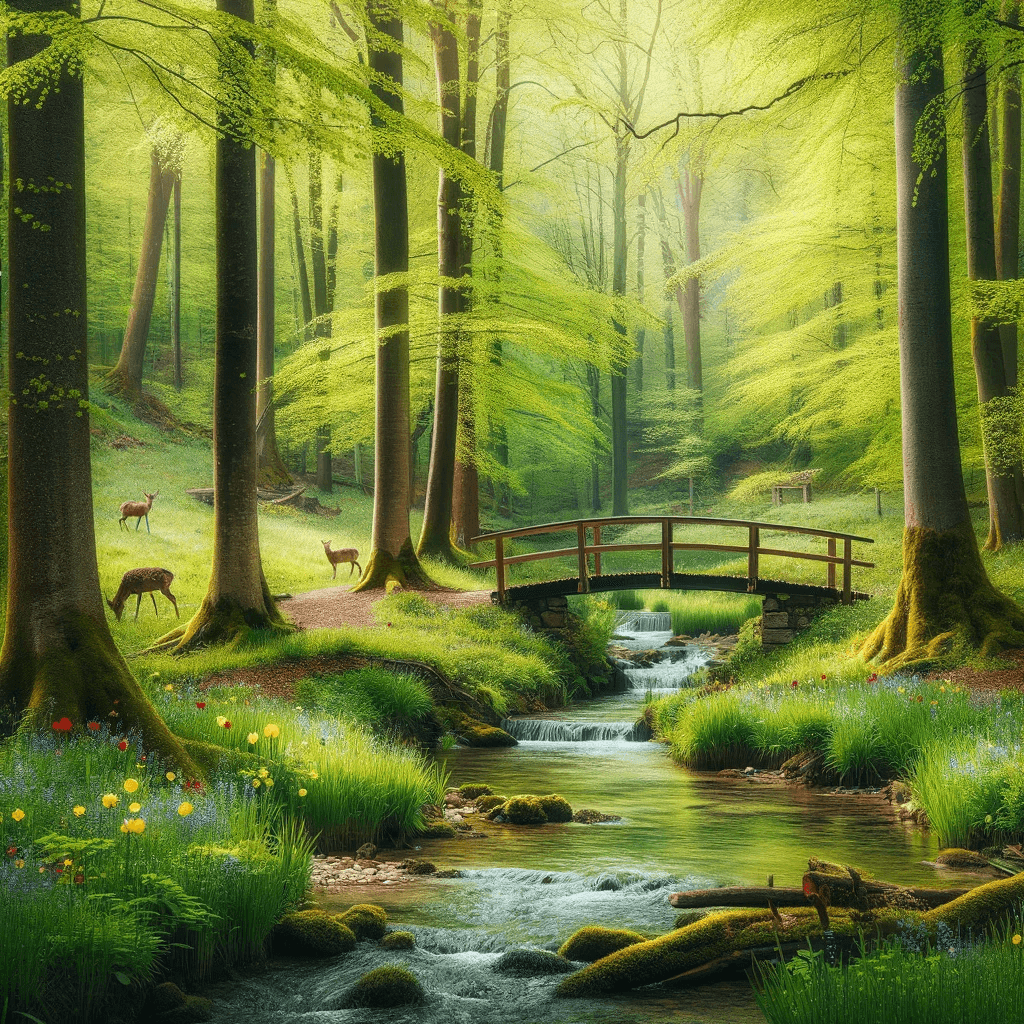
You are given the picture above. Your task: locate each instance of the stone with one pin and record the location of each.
(770, 604)
(553, 620)
(803, 622)
(775, 620)
(366, 852)
(558, 602)
(777, 636)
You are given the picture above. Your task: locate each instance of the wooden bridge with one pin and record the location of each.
(592, 580)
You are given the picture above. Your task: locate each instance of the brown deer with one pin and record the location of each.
(340, 557)
(138, 509)
(142, 581)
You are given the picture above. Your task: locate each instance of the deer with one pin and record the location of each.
(138, 509)
(340, 557)
(142, 581)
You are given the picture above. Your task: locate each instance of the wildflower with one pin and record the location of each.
(17, 814)
(130, 785)
(226, 724)
(135, 807)
(942, 689)
(823, 676)
(794, 684)
(255, 783)
(11, 851)
(170, 776)
(95, 726)
(169, 687)
(1016, 940)
(313, 774)
(123, 745)
(269, 783)
(389, 625)
(78, 810)
(185, 809)
(68, 862)
(302, 792)
(19, 863)
(200, 704)
(934, 703)
(263, 773)
(136, 826)
(62, 724)
(271, 731)
(252, 737)
(109, 799)
(221, 720)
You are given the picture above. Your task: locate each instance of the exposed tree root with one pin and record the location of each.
(383, 568)
(83, 678)
(944, 601)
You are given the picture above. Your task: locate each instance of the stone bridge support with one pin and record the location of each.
(785, 615)
(541, 612)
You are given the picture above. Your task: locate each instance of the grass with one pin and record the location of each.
(372, 697)
(692, 613)
(952, 983)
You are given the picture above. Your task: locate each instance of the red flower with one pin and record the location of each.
(794, 684)
(63, 724)
(59, 871)
(389, 625)
(200, 704)
(12, 851)
(227, 725)
(823, 675)
(95, 726)
(123, 745)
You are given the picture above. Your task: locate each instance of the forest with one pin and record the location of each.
(573, 453)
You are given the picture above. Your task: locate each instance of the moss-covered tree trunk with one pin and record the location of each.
(435, 538)
(238, 599)
(1002, 454)
(944, 592)
(127, 373)
(391, 552)
(58, 658)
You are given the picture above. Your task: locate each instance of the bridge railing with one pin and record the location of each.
(668, 546)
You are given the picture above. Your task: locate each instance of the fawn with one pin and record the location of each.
(139, 582)
(138, 509)
(341, 556)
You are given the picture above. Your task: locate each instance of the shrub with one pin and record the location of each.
(555, 808)
(385, 987)
(488, 803)
(524, 810)
(398, 940)
(312, 933)
(593, 942)
(367, 921)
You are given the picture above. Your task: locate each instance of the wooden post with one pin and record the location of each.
(581, 550)
(755, 540)
(666, 554)
(847, 571)
(499, 566)
(807, 493)
(691, 495)
(832, 565)
(597, 554)
(878, 501)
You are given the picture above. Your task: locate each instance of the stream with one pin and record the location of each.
(534, 886)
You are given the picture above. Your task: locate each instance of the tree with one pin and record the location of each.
(944, 592)
(58, 658)
(238, 599)
(391, 555)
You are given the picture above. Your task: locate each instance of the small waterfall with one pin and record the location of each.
(669, 674)
(646, 622)
(547, 730)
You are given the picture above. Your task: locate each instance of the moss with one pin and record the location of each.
(383, 568)
(981, 907)
(224, 621)
(480, 734)
(419, 867)
(398, 940)
(473, 790)
(594, 943)
(688, 917)
(437, 830)
(385, 987)
(956, 858)
(524, 810)
(525, 963)
(367, 921)
(945, 602)
(488, 803)
(312, 933)
(555, 808)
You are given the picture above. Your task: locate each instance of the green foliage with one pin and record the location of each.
(473, 790)
(524, 810)
(373, 697)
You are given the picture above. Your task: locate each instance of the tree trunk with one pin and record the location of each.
(669, 266)
(127, 373)
(435, 538)
(617, 373)
(322, 326)
(300, 260)
(58, 657)
(944, 592)
(594, 382)
(238, 599)
(641, 240)
(1002, 454)
(690, 188)
(271, 470)
(176, 307)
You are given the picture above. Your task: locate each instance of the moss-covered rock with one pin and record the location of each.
(385, 987)
(398, 940)
(473, 790)
(488, 803)
(167, 1004)
(594, 943)
(957, 858)
(525, 963)
(475, 733)
(686, 917)
(524, 810)
(556, 808)
(366, 920)
(437, 830)
(419, 867)
(588, 816)
(312, 933)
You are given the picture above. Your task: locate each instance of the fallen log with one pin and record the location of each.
(738, 896)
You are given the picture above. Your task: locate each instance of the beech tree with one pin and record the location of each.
(58, 658)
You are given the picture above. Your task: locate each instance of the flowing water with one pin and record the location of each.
(533, 887)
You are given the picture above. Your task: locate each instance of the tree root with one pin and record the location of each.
(383, 568)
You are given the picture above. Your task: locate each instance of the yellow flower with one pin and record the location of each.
(221, 719)
(255, 783)
(934, 703)
(313, 773)
(78, 810)
(302, 792)
(271, 731)
(252, 737)
(185, 809)
(109, 799)
(1016, 940)
(17, 814)
(169, 687)
(269, 783)
(130, 785)
(264, 773)
(942, 689)
(19, 863)
(68, 862)
(135, 808)
(170, 776)
(900, 689)
(136, 826)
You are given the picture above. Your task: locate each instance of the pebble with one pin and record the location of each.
(333, 874)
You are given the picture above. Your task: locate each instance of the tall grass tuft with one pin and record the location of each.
(372, 697)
